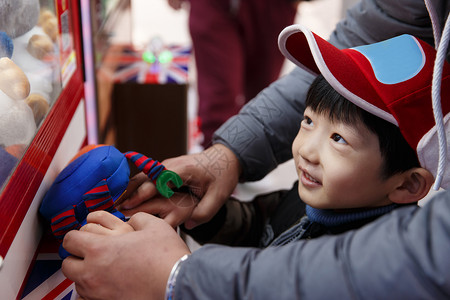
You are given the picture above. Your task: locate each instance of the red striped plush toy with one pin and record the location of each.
(94, 180)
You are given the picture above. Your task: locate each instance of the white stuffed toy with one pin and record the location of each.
(17, 124)
(28, 64)
(29, 76)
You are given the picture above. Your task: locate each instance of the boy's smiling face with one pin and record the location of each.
(339, 165)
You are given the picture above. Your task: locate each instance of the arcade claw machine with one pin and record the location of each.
(43, 124)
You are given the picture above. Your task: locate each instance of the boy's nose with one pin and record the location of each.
(309, 151)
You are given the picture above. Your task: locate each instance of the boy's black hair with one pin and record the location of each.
(398, 155)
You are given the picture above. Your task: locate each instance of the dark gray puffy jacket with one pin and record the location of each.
(402, 255)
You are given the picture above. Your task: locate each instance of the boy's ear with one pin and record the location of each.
(414, 185)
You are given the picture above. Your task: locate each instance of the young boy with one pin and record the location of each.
(352, 167)
(368, 120)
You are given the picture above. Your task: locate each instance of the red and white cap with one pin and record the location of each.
(391, 79)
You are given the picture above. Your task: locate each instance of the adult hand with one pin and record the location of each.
(129, 264)
(211, 175)
(100, 222)
(142, 196)
(175, 4)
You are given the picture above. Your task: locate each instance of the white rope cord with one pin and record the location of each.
(436, 99)
(434, 22)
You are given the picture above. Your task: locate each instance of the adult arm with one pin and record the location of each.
(403, 255)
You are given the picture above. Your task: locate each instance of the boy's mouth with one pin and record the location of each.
(308, 180)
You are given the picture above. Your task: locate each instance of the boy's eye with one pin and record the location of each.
(338, 138)
(307, 120)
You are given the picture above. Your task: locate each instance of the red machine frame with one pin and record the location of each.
(19, 192)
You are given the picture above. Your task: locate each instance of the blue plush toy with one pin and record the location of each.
(93, 181)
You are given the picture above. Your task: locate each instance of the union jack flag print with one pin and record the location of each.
(46, 280)
(129, 65)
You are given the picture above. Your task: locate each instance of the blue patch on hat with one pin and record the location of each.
(394, 60)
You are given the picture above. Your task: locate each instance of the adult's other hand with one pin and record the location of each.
(128, 265)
